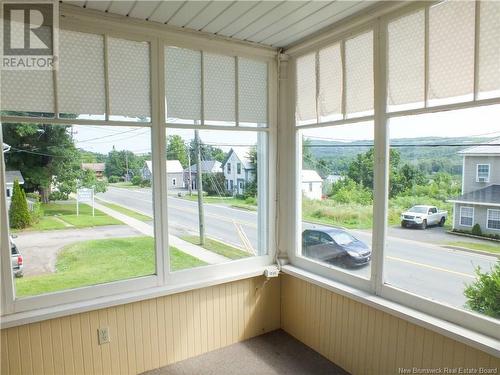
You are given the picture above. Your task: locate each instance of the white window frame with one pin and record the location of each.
(471, 217)
(164, 281)
(488, 212)
(376, 285)
(477, 172)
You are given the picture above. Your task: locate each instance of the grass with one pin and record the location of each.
(126, 211)
(243, 204)
(218, 247)
(495, 249)
(57, 214)
(101, 261)
(125, 185)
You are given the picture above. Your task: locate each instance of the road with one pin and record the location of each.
(420, 267)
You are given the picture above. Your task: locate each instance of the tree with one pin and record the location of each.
(407, 178)
(45, 155)
(251, 188)
(308, 159)
(214, 183)
(19, 215)
(118, 163)
(483, 295)
(89, 180)
(177, 150)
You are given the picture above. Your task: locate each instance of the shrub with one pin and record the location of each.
(251, 201)
(476, 230)
(145, 183)
(483, 295)
(58, 196)
(34, 196)
(113, 179)
(19, 215)
(136, 180)
(37, 212)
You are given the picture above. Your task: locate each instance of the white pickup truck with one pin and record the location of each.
(423, 216)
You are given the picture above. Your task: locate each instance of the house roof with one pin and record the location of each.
(96, 167)
(309, 175)
(206, 166)
(269, 23)
(173, 166)
(484, 196)
(11, 176)
(242, 154)
(488, 148)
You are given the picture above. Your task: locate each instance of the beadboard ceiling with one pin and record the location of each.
(271, 23)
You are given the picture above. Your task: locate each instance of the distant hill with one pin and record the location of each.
(431, 154)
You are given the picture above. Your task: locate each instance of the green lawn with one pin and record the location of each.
(218, 247)
(126, 211)
(101, 261)
(57, 214)
(125, 185)
(493, 248)
(246, 204)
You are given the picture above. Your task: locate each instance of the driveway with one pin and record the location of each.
(40, 249)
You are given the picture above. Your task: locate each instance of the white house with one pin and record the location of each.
(10, 177)
(174, 173)
(238, 169)
(312, 184)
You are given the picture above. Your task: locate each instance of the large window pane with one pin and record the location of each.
(444, 180)
(305, 111)
(336, 182)
(61, 239)
(233, 175)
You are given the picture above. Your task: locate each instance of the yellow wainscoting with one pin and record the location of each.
(144, 335)
(364, 340)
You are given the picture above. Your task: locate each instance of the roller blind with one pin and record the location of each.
(183, 85)
(489, 50)
(451, 52)
(252, 91)
(330, 84)
(219, 89)
(81, 73)
(27, 91)
(306, 89)
(129, 79)
(406, 62)
(359, 75)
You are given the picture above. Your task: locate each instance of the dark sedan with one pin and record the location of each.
(335, 246)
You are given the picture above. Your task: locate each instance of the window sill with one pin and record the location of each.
(21, 318)
(445, 328)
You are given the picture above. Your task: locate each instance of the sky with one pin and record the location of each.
(480, 121)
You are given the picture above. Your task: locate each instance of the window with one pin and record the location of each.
(228, 167)
(483, 173)
(493, 219)
(238, 168)
(174, 182)
(467, 216)
(86, 227)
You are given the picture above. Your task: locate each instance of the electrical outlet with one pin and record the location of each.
(103, 335)
(271, 271)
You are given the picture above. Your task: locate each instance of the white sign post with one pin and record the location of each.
(84, 195)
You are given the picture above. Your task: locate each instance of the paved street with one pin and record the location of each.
(415, 262)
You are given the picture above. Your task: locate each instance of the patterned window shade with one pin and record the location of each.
(81, 73)
(183, 85)
(306, 90)
(330, 84)
(451, 52)
(27, 91)
(489, 50)
(406, 62)
(129, 80)
(219, 89)
(252, 91)
(359, 75)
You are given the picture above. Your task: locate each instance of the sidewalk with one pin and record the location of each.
(146, 229)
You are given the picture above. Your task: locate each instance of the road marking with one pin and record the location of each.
(431, 267)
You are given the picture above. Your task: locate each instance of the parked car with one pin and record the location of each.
(16, 259)
(335, 246)
(423, 216)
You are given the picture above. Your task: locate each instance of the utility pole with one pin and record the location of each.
(127, 178)
(190, 184)
(201, 216)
